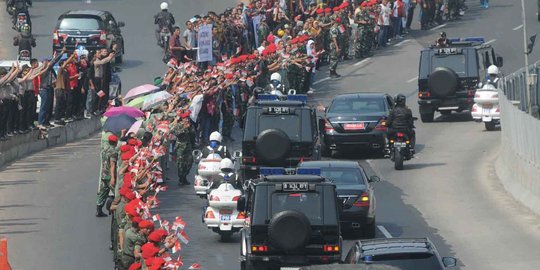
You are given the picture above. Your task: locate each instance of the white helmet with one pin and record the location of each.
(215, 136)
(226, 164)
(275, 76)
(164, 5)
(493, 70)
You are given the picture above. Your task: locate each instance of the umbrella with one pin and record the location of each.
(137, 102)
(116, 123)
(155, 99)
(131, 111)
(140, 90)
(135, 127)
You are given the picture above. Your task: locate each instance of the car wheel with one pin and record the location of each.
(289, 230)
(272, 146)
(225, 236)
(443, 82)
(370, 229)
(427, 117)
(490, 126)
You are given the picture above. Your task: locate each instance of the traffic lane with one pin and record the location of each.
(142, 61)
(47, 206)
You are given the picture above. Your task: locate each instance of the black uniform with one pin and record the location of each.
(401, 120)
(164, 19)
(231, 178)
(25, 42)
(221, 150)
(21, 6)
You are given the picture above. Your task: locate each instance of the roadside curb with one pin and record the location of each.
(22, 145)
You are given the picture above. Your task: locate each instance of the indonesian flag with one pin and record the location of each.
(160, 188)
(165, 225)
(156, 217)
(177, 247)
(183, 237)
(179, 224)
(194, 266)
(166, 257)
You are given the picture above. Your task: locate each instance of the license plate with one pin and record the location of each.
(400, 144)
(290, 171)
(293, 186)
(225, 217)
(487, 110)
(355, 126)
(80, 40)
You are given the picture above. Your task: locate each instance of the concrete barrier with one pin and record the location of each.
(22, 145)
(518, 165)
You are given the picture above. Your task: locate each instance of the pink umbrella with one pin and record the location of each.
(130, 111)
(140, 91)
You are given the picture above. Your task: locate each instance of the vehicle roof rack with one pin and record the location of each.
(270, 97)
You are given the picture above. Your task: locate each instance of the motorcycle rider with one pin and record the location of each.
(401, 120)
(492, 76)
(442, 41)
(21, 6)
(227, 174)
(163, 19)
(215, 146)
(25, 40)
(275, 87)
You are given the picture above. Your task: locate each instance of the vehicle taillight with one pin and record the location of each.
(381, 126)
(241, 215)
(249, 160)
(331, 248)
(225, 211)
(400, 135)
(496, 95)
(209, 214)
(477, 96)
(202, 167)
(497, 110)
(424, 94)
(236, 198)
(362, 200)
(474, 108)
(259, 248)
(103, 38)
(214, 198)
(328, 127)
(22, 17)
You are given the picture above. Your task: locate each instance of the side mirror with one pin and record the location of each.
(237, 154)
(197, 154)
(499, 61)
(449, 261)
(241, 204)
(121, 24)
(374, 178)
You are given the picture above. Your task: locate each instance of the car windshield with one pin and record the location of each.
(308, 203)
(456, 62)
(358, 106)
(289, 123)
(79, 24)
(343, 176)
(409, 261)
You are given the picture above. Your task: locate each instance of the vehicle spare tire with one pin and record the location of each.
(272, 146)
(289, 230)
(443, 82)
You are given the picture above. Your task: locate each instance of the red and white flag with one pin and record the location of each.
(183, 237)
(156, 217)
(179, 224)
(194, 266)
(177, 247)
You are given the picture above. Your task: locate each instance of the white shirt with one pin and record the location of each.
(384, 15)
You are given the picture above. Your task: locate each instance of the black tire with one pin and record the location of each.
(443, 82)
(490, 126)
(398, 159)
(225, 236)
(427, 117)
(289, 230)
(272, 146)
(371, 229)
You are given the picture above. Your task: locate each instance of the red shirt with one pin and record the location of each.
(72, 71)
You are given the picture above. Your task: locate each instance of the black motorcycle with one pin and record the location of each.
(401, 149)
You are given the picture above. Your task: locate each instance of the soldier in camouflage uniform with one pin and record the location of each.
(334, 48)
(362, 40)
(227, 110)
(133, 241)
(346, 35)
(184, 147)
(109, 157)
(326, 23)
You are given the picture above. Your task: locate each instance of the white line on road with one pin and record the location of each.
(518, 27)
(438, 27)
(363, 61)
(412, 79)
(489, 42)
(384, 231)
(321, 80)
(402, 42)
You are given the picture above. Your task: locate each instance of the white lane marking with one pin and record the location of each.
(363, 61)
(518, 27)
(220, 260)
(438, 27)
(412, 79)
(489, 42)
(384, 231)
(321, 80)
(402, 42)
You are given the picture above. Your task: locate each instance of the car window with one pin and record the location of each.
(358, 106)
(408, 261)
(79, 24)
(456, 62)
(290, 124)
(344, 176)
(307, 203)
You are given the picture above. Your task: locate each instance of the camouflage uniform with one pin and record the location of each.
(133, 240)
(362, 40)
(228, 112)
(334, 56)
(184, 157)
(345, 36)
(108, 154)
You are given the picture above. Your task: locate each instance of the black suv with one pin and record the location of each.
(278, 132)
(92, 29)
(449, 76)
(293, 221)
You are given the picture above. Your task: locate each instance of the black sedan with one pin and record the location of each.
(356, 120)
(404, 253)
(355, 192)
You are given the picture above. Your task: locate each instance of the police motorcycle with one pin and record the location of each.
(164, 36)
(209, 166)
(486, 107)
(221, 215)
(164, 31)
(21, 20)
(24, 55)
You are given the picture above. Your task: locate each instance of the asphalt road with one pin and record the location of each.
(448, 193)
